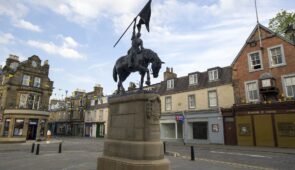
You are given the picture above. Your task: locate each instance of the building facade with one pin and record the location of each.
(59, 119)
(191, 105)
(96, 114)
(25, 90)
(264, 85)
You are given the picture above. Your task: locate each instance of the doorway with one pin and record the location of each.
(100, 130)
(32, 129)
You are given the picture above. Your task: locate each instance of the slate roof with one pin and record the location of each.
(181, 84)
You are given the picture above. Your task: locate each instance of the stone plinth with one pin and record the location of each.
(133, 140)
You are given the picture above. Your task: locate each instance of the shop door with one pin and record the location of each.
(264, 130)
(230, 137)
(32, 129)
(100, 130)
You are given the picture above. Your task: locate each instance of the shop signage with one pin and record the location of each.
(179, 118)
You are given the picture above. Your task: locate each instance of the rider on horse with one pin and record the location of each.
(136, 48)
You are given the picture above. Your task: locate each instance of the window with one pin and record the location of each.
(92, 102)
(26, 80)
(212, 98)
(37, 82)
(200, 130)
(276, 56)
(193, 79)
(290, 86)
(170, 84)
(255, 61)
(100, 115)
(23, 101)
(191, 102)
(6, 127)
(29, 101)
(18, 127)
(168, 103)
(213, 75)
(266, 83)
(3, 79)
(252, 91)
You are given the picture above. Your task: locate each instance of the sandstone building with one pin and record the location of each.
(24, 97)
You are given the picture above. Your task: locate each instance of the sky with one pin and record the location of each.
(77, 36)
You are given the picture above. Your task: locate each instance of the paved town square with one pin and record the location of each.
(82, 153)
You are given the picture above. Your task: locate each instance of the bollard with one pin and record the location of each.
(164, 144)
(33, 148)
(59, 148)
(37, 149)
(192, 153)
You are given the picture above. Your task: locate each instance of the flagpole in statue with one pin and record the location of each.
(145, 15)
(133, 128)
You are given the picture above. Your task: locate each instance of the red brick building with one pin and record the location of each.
(264, 87)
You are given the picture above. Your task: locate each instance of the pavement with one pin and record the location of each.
(82, 153)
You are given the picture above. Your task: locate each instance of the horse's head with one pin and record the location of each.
(156, 66)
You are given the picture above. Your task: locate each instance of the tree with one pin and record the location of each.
(281, 21)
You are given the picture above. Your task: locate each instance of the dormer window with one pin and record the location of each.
(213, 75)
(170, 84)
(193, 79)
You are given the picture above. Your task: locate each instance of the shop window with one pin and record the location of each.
(6, 127)
(191, 101)
(42, 127)
(286, 129)
(254, 61)
(200, 130)
(168, 103)
(18, 127)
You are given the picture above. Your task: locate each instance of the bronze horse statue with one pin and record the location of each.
(143, 59)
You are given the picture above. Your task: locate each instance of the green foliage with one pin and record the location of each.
(281, 21)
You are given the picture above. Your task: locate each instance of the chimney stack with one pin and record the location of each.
(168, 74)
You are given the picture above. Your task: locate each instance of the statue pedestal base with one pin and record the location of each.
(133, 139)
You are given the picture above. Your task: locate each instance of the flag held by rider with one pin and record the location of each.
(145, 15)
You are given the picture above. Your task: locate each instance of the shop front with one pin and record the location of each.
(271, 125)
(19, 127)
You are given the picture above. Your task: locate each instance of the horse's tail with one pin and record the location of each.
(115, 73)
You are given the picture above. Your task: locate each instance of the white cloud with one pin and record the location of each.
(65, 51)
(6, 38)
(69, 42)
(17, 11)
(27, 25)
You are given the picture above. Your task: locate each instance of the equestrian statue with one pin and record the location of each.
(138, 58)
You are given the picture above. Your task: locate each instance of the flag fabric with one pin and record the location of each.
(145, 15)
